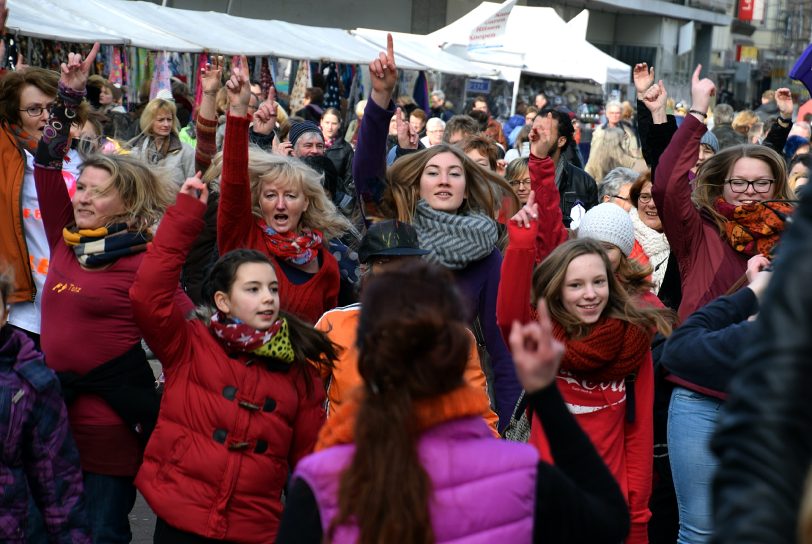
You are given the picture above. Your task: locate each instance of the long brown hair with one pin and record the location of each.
(413, 344)
(548, 282)
(483, 189)
(710, 179)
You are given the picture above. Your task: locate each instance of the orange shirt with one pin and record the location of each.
(341, 325)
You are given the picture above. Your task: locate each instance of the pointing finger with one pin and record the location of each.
(695, 78)
(390, 49)
(91, 57)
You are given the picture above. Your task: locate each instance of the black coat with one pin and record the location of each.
(576, 186)
(764, 435)
(341, 154)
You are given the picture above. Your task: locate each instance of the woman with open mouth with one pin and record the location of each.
(277, 205)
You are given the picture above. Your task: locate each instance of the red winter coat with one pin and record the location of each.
(229, 429)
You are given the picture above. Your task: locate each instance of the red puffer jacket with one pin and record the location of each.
(229, 429)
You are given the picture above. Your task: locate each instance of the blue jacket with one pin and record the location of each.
(703, 353)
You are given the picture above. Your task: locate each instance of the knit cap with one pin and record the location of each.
(608, 222)
(302, 127)
(709, 139)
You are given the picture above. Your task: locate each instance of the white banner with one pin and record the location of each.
(489, 33)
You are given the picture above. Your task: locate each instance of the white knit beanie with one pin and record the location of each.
(608, 222)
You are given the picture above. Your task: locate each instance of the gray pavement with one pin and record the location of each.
(142, 522)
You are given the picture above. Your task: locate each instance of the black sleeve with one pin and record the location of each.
(644, 123)
(578, 500)
(762, 440)
(202, 255)
(658, 139)
(301, 522)
(777, 137)
(263, 141)
(704, 349)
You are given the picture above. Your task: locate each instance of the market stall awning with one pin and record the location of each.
(28, 18)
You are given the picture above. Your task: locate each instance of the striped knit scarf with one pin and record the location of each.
(24, 139)
(454, 240)
(105, 245)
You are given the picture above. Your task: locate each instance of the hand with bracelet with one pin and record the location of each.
(702, 90)
(783, 99)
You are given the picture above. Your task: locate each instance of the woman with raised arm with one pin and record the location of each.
(737, 210)
(243, 400)
(277, 205)
(415, 409)
(451, 202)
(89, 333)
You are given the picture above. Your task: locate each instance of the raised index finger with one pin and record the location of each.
(91, 57)
(390, 49)
(695, 78)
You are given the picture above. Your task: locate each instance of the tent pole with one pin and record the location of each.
(228, 8)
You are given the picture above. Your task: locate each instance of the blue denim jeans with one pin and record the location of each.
(691, 423)
(109, 501)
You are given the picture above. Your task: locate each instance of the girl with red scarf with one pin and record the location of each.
(277, 205)
(736, 211)
(243, 400)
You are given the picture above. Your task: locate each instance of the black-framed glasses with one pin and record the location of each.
(36, 111)
(759, 185)
(520, 182)
(619, 197)
(645, 198)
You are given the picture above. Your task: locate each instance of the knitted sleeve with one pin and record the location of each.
(369, 163)
(206, 142)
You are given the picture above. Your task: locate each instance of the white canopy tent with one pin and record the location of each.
(148, 25)
(538, 41)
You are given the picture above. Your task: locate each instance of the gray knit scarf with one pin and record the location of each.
(454, 240)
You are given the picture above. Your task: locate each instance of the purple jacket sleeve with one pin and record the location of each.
(369, 162)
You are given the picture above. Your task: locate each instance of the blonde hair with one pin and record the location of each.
(145, 192)
(710, 179)
(484, 190)
(151, 112)
(608, 154)
(321, 214)
(744, 120)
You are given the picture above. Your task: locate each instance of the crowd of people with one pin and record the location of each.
(402, 326)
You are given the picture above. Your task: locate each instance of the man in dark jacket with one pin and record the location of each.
(723, 129)
(764, 436)
(574, 185)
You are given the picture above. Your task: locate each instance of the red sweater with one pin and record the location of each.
(600, 409)
(237, 228)
(708, 265)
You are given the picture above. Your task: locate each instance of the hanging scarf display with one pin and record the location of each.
(332, 98)
(300, 85)
(298, 249)
(612, 350)
(465, 401)
(265, 79)
(753, 229)
(454, 240)
(105, 245)
(237, 336)
(160, 76)
(116, 76)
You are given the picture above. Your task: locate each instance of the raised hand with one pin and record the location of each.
(536, 353)
(239, 89)
(384, 75)
(643, 78)
(783, 99)
(195, 188)
(541, 144)
(282, 148)
(655, 99)
(211, 75)
(265, 118)
(20, 65)
(702, 90)
(407, 137)
(76, 71)
(528, 213)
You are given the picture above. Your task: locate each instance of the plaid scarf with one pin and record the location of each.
(612, 350)
(454, 240)
(235, 335)
(298, 249)
(753, 229)
(105, 245)
(24, 140)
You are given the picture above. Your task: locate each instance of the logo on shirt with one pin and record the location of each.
(61, 287)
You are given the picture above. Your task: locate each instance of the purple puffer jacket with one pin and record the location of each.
(36, 448)
(484, 488)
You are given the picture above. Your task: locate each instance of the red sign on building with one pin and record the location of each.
(746, 9)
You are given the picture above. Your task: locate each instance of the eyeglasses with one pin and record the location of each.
(758, 185)
(520, 182)
(36, 111)
(619, 197)
(645, 198)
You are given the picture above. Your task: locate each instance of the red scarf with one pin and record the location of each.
(298, 249)
(236, 336)
(753, 229)
(612, 350)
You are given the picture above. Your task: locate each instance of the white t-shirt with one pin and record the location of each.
(26, 315)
